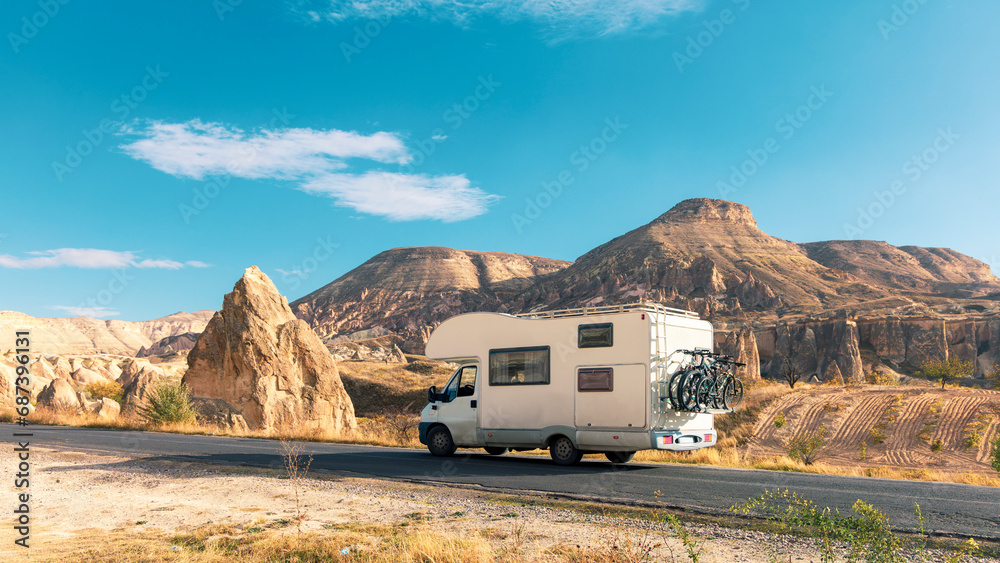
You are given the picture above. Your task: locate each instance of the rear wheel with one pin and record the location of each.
(439, 441)
(563, 451)
(495, 450)
(619, 457)
(733, 394)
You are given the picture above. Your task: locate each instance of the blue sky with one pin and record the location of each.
(152, 151)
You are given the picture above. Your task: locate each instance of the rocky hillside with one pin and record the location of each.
(84, 335)
(406, 290)
(815, 306)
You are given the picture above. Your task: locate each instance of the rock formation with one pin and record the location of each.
(741, 344)
(177, 344)
(267, 365)
(85, 376)
(58, 395)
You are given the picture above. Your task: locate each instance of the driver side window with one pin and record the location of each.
(467, 381)
(462, 384)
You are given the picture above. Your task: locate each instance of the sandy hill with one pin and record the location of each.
(84, 335)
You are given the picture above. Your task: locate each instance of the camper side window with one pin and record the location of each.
(596, 336)
(519, 366)
(599, 379)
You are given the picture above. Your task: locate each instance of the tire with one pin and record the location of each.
(732, 396)
(439, 441)
(563, 451)
(706, 393)
(495, 450)
(688, 390)
(619, 457)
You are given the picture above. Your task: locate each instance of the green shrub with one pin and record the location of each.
(995, 456)
(104, 390)
(867, 535)
(780, 420)
(169, 402)
(937, 446)
(805, 446)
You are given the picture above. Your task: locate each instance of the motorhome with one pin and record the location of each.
(573, 381)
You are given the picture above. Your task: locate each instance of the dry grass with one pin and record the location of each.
(261, 542)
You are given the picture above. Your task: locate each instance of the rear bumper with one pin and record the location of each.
(683, 440)
(422, 431)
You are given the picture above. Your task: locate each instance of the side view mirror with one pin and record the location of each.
(432, 394)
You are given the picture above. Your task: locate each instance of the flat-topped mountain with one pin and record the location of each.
(408, 289)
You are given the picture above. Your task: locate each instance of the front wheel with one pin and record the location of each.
(619, 457)
(563, 451)
(494, 450)
(439, 441)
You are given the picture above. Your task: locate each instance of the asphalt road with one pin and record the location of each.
(963, 510)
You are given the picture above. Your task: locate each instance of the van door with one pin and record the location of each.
(460, 411)
(611, 396)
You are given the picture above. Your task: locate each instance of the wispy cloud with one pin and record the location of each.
(91, 258)
(95, 312)
(403, 197)
(195, 150)
(318, 162)
(561, 19)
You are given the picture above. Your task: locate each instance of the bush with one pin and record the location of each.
(995, 456)
(104, 390)
(168, 403)
(780, 420)
(805, 446)
(937, 446)
(868, 535)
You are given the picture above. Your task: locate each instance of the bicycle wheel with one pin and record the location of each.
(706, 392)
(688, 392)
(732, 396)
(673, 388)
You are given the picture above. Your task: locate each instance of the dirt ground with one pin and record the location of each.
(76, 494)
(900, 426)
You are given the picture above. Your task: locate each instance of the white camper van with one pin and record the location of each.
(574, 381)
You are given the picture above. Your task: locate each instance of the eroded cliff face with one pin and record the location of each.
(828, 348)
(269, 367)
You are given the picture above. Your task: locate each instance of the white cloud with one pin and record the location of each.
(195, 150)
(562, 18)
(403, 197)
(95, 312)
(92, 258)
(317, 161)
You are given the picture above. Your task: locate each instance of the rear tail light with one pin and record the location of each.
(708, 437)
(667, 440)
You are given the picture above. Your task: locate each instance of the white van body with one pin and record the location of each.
(608, 397)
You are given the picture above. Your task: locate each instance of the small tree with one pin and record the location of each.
(993, 376)
(105, 390)
(168, 403)
(791, 375)
(946, 370)
(805, 446)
